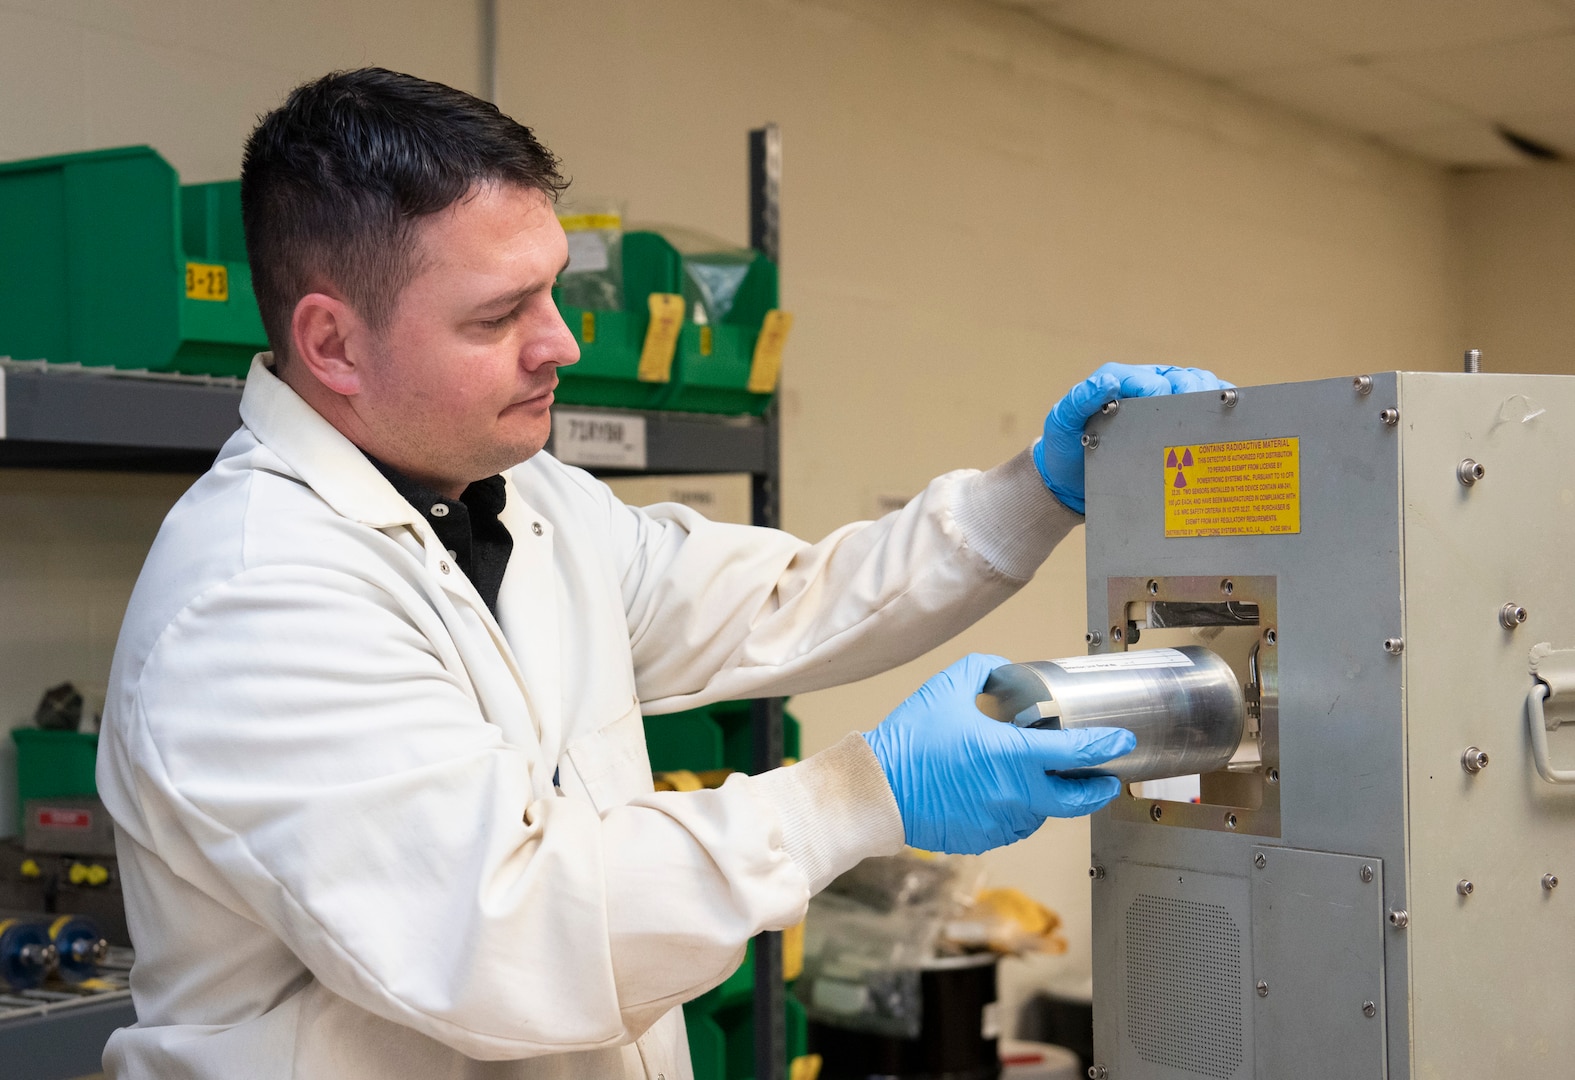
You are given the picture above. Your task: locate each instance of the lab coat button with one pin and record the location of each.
(439, 510)
(535, 527)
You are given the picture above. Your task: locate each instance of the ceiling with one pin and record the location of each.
(1441, 79)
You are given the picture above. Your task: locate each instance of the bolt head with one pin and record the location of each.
(1394, 646)
(1399, 918)
(1369, 1008)
(1110, 406)
(1096, 872)
(1464, 887)
(1094, 637)
(1511, 615)
(1156, 811)
(1550, 881)
(1227, 586)
(1273, 776)
(1362, 384)
(1090, 440)
(1259, 860)
(1390, 417)
(1473, 760)
(1367, 874)
(1263, 988)
(1228, 398)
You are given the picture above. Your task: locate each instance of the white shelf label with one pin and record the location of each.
(1145, 658)
(598, 440)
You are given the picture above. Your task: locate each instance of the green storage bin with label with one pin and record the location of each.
(611, 341)
(106, 260)
(732, 328)
(54, 765)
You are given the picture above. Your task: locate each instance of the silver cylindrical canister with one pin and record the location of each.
(1184, 705)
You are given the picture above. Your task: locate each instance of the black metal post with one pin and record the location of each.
(765, 170)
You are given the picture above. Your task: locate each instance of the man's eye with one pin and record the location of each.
(497, 324)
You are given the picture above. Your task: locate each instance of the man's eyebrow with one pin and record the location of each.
(510, 299)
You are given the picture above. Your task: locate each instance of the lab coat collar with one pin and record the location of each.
(319, 453)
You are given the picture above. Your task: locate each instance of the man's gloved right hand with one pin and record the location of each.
(966, 783)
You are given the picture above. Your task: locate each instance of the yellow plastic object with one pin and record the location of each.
(766, 367)
(805, 1068)
(31, 870)
(678, 780)
(792, 952)
(87, 874)
(661, 338)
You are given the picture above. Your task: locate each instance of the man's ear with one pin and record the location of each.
(326, 333)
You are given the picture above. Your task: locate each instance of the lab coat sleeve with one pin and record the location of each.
(302, 750)
(720, 611)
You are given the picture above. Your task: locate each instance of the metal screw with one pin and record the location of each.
(1094, 637)
(1399, 918)
(1473, 760)
(1367, 875)
(1550, 882)
(1227, 586)
(1228, 398)
(1096, 872)
(1230, 821)
(1274, 776)
(1394, 646)
(1391, 417)
(1263, 988)
(1116, 633)
(1110, 406)
(1270, 637)
(1260, 860)
(1090, 440)
(1464, 887)
(1473, 361)
(1362, 384)
(1511, 615)
(1469, 471)
(1369, 1008)
(1098, 1072)
(535, 527)
(1153, 588)
(1156, 811)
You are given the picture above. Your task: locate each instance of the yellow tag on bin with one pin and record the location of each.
(207, 281)
(588, 327)
(793, 952)
(661, 338)
(767, 365)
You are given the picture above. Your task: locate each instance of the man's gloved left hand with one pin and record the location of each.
(1059, 454)
(965, 783)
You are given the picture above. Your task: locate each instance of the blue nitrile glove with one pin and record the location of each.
(966, 783)
(1059, 454)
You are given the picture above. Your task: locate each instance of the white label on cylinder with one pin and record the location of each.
(1145, 658)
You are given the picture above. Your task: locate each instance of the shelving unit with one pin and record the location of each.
(59, 416)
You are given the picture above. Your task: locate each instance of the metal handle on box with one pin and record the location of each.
(1536, 720)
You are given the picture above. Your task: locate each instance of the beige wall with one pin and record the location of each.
(977, 212)
(1516, 231)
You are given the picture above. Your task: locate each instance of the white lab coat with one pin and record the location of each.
(331, 769)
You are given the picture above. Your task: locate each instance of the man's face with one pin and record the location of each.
(461, 379)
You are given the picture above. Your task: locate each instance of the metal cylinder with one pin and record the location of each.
(1184, 705)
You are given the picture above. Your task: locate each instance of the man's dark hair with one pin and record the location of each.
(334, 181)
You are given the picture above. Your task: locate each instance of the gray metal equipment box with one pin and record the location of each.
(1371, 888)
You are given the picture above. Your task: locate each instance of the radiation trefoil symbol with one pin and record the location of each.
(1183, 462)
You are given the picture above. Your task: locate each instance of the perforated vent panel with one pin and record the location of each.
(1184, 985)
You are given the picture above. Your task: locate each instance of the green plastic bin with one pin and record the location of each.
(711, 370)
(54, 765)
(105, 259)
(611, 341)
(712, 737)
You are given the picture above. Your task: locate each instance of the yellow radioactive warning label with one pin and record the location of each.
(1251, 488)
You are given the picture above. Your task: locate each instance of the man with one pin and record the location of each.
(373, 741)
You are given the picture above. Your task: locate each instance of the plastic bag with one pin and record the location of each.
(594, 277)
